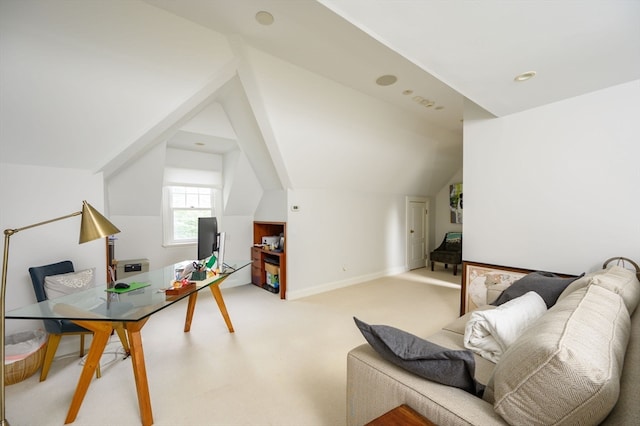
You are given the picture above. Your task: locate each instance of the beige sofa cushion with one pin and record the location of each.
(615, 278)
(581, 282)
(627, 409)
(565, 368)
(460, 324)
(623, 282)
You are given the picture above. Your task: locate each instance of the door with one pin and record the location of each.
(417, 230)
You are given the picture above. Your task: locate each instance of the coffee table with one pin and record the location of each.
(402, 415)
(103, 312)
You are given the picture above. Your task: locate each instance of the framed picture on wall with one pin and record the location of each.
(477, 278)
(455, 202)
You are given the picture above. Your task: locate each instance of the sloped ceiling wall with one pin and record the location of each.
(233, 99)
(330, 136)
(97, 85)
(242, 190)
(135, 188)
(82, 81)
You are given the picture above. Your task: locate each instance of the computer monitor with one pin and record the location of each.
(207, 237)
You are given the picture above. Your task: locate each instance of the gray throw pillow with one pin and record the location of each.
(426, 359)
(547, 285)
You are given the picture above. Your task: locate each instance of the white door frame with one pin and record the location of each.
(408, 201)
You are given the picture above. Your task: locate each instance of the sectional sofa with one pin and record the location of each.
(578, 363)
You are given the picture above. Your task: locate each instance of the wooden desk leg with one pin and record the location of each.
(191, 306)
(101, 332)
(139, 370)
(123, 337)
(217, 294)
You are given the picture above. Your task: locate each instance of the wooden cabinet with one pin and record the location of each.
(257, 268)
(261, 255)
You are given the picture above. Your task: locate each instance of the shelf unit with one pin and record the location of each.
(259, 255)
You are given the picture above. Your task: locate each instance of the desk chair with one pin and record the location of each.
(55, 328)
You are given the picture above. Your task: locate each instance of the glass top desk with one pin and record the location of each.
(103, 312)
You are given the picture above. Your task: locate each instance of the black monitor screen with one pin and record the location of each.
(207, 236)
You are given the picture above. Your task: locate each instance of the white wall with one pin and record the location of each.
(141, 238)
(351, 161)
(557, 187)
(272, 207)
(32, 194)
(338, 238)
(242, 190)
(136, 190)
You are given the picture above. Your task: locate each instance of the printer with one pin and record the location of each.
(271, 241)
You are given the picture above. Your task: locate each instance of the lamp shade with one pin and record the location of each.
(94, 225)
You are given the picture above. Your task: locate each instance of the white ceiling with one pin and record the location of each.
(311, 36)
(76, 91)
(450, 49)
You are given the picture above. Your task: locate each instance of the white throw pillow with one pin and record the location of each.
(72, 282)
(489, 333)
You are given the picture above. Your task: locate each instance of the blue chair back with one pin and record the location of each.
(38, 273)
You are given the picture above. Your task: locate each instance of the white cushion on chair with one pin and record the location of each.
(72, 282)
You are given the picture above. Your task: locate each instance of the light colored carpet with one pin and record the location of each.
(284, 365)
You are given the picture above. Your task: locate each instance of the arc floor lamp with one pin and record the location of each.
(92, 226)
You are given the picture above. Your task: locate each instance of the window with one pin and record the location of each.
(183, 206)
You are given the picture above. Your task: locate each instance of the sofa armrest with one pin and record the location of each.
(375, 386)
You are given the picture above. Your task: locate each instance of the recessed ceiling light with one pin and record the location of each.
(386, 80)
(427, 103)
(525, 76)
(439, 107)
(264, 18)
(407, 92)
(418, 99)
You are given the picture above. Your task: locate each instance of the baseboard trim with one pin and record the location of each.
(335, 285)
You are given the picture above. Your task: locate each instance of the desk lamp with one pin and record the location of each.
(92, 227)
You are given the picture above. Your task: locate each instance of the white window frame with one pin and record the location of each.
(168, 223)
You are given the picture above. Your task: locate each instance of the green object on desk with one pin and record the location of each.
(198, 275)
(132, 286)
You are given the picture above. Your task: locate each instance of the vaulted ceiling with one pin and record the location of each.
(76, 90)
(444, 51)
